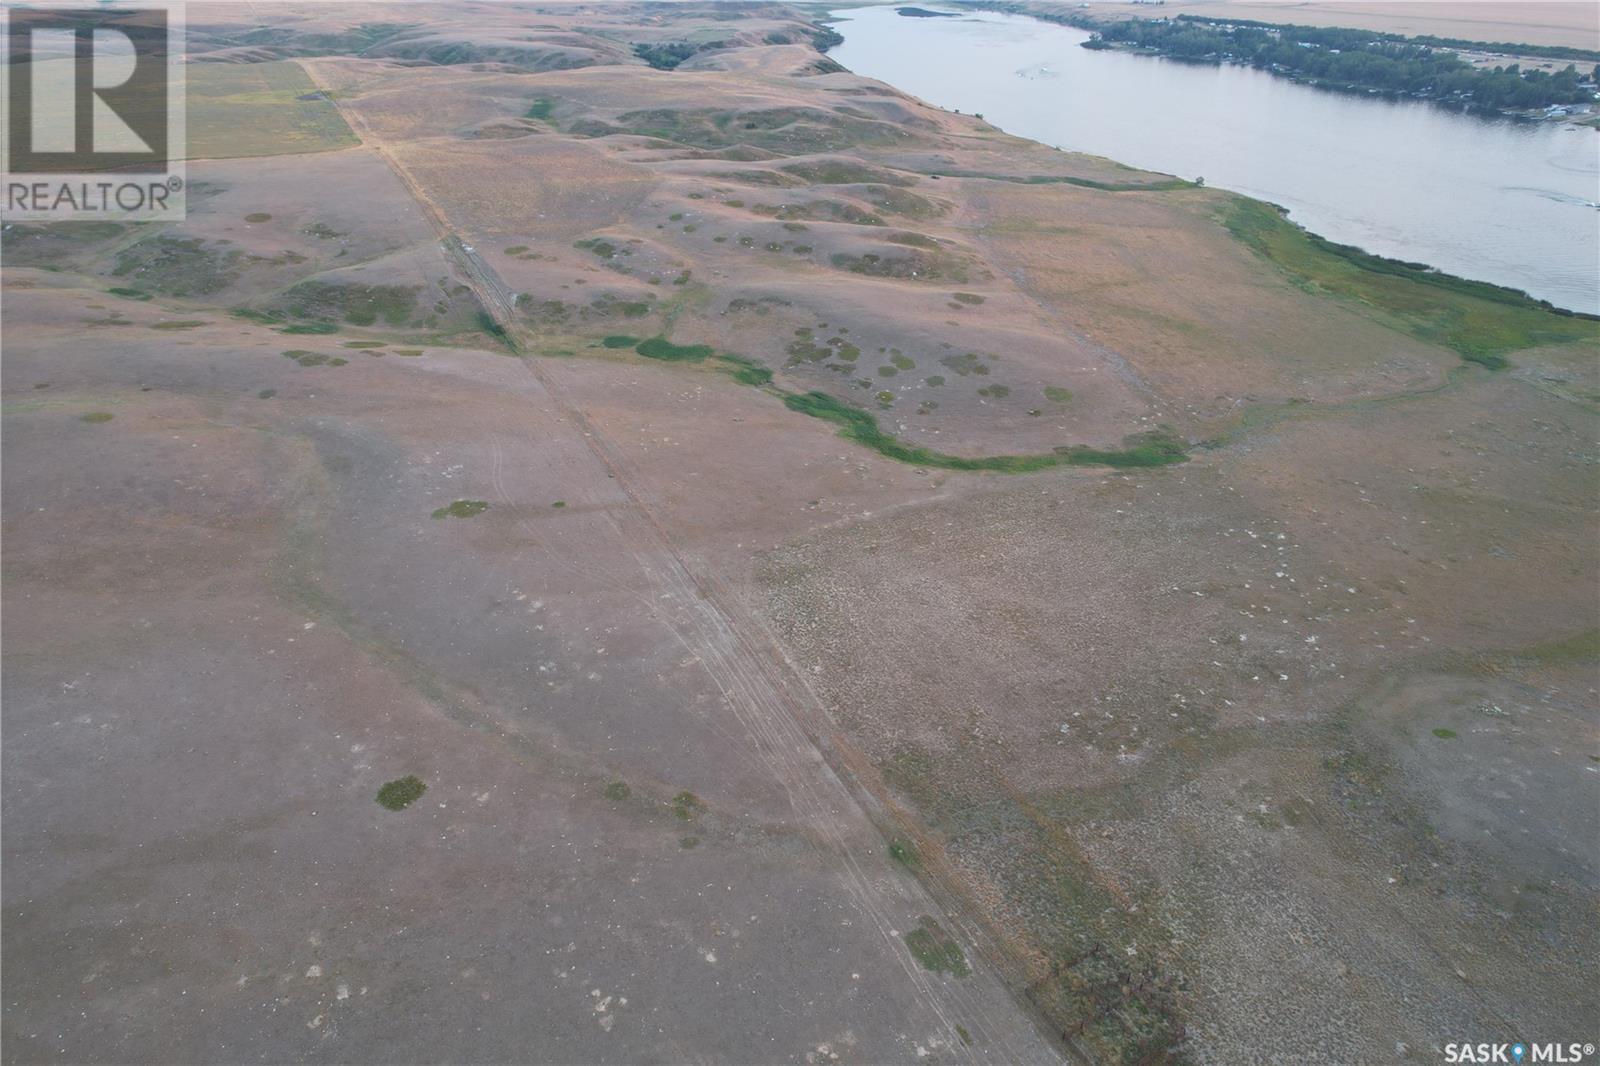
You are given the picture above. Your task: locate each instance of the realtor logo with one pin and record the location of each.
(94, 113)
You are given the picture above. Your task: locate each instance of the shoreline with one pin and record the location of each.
(1364, 258)
(1476, 57)
(1589, 119)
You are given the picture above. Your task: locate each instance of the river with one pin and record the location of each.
(1484, 197)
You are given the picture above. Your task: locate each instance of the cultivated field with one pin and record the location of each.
(855, 586)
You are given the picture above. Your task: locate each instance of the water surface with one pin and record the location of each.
(1515, 203)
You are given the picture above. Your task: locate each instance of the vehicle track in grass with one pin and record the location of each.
(768, 700)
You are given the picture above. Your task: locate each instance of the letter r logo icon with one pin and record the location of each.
(87, 89)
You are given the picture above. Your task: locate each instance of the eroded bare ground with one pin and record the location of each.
(731, 726)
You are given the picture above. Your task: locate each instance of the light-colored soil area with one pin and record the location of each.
(484, 452)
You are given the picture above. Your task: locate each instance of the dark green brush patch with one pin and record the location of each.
(661, 348)
(686, 805)
(96, 416)
(968, 297)
(357, 304)
(932, 947)
(188, 323)
(1056, 394)
(540, 109)
(258, 216)
(462, 509)
(516, 249)
(559, 503)
(129, 294)
(310, 328)
(400, 793)
(913, 240)
(1445, 734)
(413, 352)
(1142, 450)
(924, 266)
(267, 394)
(688, 842)
(179, 266)
(362, 344)
(966, 1037)
(667, 56)
(305, 358)
(903, 852)
(618, 790)
(603, 249)
(845, 172)
(488, 324)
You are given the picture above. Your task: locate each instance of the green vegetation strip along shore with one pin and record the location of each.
(1145, 449)
(1085, 183)
(1478, 321)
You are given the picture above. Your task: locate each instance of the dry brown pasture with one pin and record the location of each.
(1238, 759)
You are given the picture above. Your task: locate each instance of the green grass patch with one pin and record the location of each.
(400, 793)
(258, 216)
(746, 371)
(186, 323)
(661, 348)
(1480, 322)
(96, 416)
(968, 297)
(259, 109)
(540, 109)
(1444, 734)
(618, 791)
(932, 947)
(619, 340)
(1082, 183)
(362, 344)
(409, 352)
(310, 329)
(1142, 450)
(1056, 394)
(462, 509)
(129, 294)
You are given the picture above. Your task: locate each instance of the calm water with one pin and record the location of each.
(1489, 198)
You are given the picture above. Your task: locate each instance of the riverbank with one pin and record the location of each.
(1353, 61)
(1509, 203)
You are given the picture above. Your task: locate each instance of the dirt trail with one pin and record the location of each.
(776, 708)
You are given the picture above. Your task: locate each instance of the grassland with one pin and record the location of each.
(1130, 752)
(259, 109)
